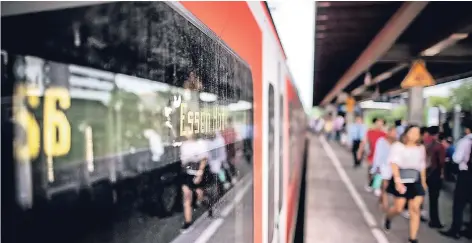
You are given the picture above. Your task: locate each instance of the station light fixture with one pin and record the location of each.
(440, 46)
(208, 97)
(324, 4)
(321, 27)
(322, 17)
(359, 90)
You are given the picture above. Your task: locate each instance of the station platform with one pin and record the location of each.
(338, 209)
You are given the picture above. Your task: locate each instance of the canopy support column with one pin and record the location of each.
(415, 105)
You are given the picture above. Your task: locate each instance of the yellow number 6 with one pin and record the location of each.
(56, 131)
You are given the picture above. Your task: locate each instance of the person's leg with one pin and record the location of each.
(187, 196)
(459, 203)
(434, 188)
(397, 208)
(383, 199)
(393, 211)
(414, 210)
(468, 232)
(355, 147)
(405, 212)
(370, 179)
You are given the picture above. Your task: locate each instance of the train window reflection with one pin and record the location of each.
(271, 157)
(103, 96)
(281, 153)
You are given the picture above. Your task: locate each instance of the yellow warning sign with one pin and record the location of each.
(418, 76)
(350, 103)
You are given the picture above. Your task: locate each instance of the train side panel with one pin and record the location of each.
(231, 47)
(236, 25)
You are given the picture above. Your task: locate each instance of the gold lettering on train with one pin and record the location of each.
(183, 107)
(201, 121)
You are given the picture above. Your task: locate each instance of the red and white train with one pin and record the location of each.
(82, 81)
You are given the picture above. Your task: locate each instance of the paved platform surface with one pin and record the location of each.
(338, 209)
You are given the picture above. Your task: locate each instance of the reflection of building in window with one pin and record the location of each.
(89, 148)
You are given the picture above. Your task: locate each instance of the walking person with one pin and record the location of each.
(370, 139)
(450, 168)
(436, 154)
(381, 164)
(400, 126)
(216, 158)
(408, 183)
(462, 193)
(329, 127)
(338, 126)
(194, 157)
(356, 133)
(426, 140)
(320, 126)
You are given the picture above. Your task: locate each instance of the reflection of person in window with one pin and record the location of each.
(155, 144)
(229, 135)
(218, 157)
(193, 155)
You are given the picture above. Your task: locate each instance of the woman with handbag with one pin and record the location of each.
(408, 183)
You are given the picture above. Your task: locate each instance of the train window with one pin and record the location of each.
(281, 153)
(104, 96)
(271, 177)
(292, 137)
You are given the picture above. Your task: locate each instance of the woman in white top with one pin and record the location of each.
(381, 163)
(408, 183)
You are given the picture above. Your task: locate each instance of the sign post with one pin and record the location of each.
(418, 76)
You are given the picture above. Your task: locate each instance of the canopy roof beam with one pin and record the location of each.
(379, 45)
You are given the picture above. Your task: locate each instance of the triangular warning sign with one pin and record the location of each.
(350, 104)
(418, 76)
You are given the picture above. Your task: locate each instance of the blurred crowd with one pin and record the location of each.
(409, 163)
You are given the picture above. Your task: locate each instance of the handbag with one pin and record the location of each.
(409, 176)
(376, 182)
(222, 176)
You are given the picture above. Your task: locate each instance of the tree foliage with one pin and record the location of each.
(462, 95)
(440, 101)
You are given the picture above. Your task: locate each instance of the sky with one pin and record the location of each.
(443, 89)
(294, 21)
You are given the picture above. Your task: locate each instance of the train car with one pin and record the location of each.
(97, 95)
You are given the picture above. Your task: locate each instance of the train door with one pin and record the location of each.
(272, 74)
(273, 157)
(278, 167)
(271, 165)
(281, 184)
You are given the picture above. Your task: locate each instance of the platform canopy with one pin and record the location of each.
(366, 49)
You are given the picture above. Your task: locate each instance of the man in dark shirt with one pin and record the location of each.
(436, 154)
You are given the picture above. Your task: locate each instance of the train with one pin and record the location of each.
(85, 83)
